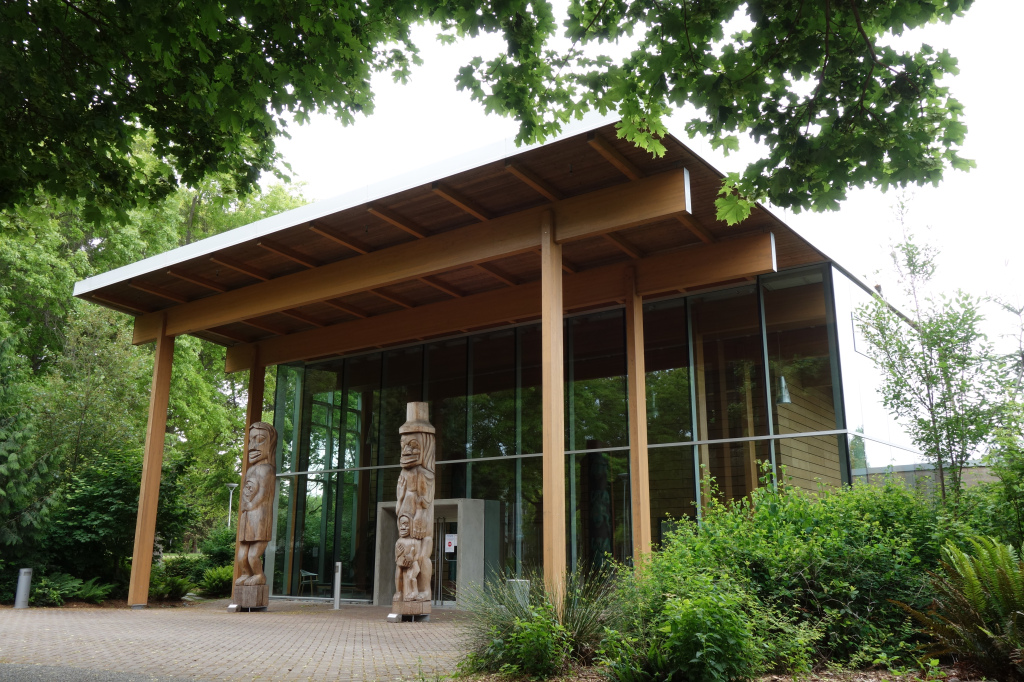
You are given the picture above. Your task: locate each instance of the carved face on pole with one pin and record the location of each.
(417, 436)
(403, 525)
(262, 442)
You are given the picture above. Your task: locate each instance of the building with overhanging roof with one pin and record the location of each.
(600, 355)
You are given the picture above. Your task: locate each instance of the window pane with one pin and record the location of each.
(598, 498)
(402, 383)
(672, 488)
(667, 367)
(492, 395)
(446, 393)
(596, 381)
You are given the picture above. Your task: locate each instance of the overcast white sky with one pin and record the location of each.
(974, 218)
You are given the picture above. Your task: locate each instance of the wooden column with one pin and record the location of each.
(253, 414)
(553, 391)
(153, 458)
(636, 377)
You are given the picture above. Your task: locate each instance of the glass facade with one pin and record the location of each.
(876, 438)
(738, 381)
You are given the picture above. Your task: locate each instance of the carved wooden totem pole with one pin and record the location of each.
(255, 523)
(415, 510)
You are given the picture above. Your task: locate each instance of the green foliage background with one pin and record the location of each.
(74, 390)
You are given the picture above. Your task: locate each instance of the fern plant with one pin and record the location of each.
(978, 615)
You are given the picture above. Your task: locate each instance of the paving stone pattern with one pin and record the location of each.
(290, 641)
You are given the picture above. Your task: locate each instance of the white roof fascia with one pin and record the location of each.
(371, 192)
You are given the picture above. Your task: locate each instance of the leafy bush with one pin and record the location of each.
(588, 606)
(217, 581)
(536, 646)
(714, 630)
(219, 545)
(978, 614)
(188, 566)
(93, 591)
(164, 586)
(820, 569)
(54, 589)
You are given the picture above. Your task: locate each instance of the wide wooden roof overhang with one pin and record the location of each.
(459, 253)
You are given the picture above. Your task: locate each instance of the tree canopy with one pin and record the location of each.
(208, 86)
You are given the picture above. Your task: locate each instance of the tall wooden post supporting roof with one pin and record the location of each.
(253, 414)
(637, 388)
(553, 392)
(149, 494)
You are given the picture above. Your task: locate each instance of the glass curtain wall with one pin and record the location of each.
(731, 376)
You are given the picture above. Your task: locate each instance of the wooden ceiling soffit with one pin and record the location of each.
(683, 269)
(241, 267)
(337, 239)
(614, 156)
(463, 202)
(287, 252)
(158, 291)
(623, 245)
(540, 186)
(693, 225)
(397, 220)
(496, 274)
(615, 208)
(198, 280)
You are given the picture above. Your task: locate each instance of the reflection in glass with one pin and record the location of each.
(673, 488)
(599, 508)
(800, 371)
(596, 380)
(667, 367)
(728, 361)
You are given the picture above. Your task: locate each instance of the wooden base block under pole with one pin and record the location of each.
(149, 492)
(637, 387)
(553, 391)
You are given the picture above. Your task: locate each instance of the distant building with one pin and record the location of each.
(593, 343)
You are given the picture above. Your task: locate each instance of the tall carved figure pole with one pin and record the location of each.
(255, 522)
(415, 511)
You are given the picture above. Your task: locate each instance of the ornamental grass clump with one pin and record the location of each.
(518, 627)
(978, 612)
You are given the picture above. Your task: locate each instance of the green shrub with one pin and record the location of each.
(219, 545)
(714, 631)
(978, 614)
(188, 566)
(536, 646)
(587, 606)
(54, 589)
(93, 591)
(217, 581)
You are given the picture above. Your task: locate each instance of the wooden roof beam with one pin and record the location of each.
(624, 246)
(273, 329)
(120, 303)
(303, 317)
(543, 188)
(158, 291)
(398, 221)
(241, 267)
(344, 241)
(287, 252)
(197, 280)
(344, 307)
(440, 286)
(615, 208)
(694, 226)
(692, 267)
(397, 300)
(497, 274)
(614, 156)
(219, 331)
(456, 198)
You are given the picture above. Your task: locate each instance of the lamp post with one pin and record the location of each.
(231, 494)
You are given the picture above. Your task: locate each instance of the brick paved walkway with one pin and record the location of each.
(292, 640)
